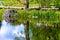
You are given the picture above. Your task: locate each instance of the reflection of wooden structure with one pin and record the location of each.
(26, 4)
(33, 7)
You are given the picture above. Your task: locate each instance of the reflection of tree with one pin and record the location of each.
(0, 24)
(57, 3)
(45, 33)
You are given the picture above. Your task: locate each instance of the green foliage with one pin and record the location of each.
(33, 2)
(1, 12)
(49, 17)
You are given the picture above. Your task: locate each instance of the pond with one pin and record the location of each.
(11, 32)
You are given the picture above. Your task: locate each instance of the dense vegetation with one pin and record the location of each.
(49, 17)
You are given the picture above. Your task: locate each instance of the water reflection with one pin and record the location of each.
(10, 32)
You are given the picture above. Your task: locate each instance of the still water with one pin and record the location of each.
(10, 32)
